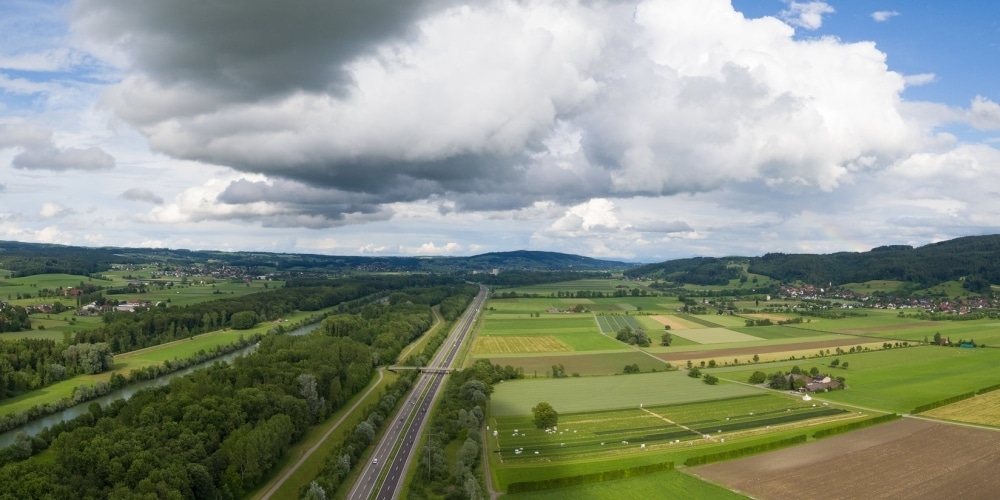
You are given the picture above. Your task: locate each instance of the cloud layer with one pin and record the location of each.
(583, 100)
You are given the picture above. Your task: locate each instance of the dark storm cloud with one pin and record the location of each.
(301, 205)
(247, 49)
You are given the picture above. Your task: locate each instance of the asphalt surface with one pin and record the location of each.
(410, 420)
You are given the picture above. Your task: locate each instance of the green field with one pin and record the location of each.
(574, 395)
(613, 432)
(670, 484)
(677, 409)
(897, 380)
(601, 363)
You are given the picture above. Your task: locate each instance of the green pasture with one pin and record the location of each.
(594, 285)
(896, 380)
(816, 337)
(728, 321)
(889, 325)
(516, 440)
(774, 417)
(585, 364)
(669, 484)
(545, 324)
(180, 295)
(873, 321)
(53, 326)
(777, 332)
(583, 394)
(983, 331)
(714, 336)
(522, 306)
(873, 286)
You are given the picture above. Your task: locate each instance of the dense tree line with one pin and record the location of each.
(14, 319)
(694, 271)
(391, 325)
(27, 364)
(127, 331)
(526, 278)
(27, 259)
(974, 258)
(212, 434)
(460, 417)
(85, 392)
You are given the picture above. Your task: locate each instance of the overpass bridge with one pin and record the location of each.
(423, 369)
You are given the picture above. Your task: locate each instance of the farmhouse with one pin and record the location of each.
(819, 383)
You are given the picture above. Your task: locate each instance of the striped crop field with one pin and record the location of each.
(611, 325)
(661, 427)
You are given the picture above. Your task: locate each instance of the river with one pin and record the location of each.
(36, 426)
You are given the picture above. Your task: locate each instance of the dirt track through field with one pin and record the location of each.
(903, 459)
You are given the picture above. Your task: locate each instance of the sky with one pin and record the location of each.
(630, 130)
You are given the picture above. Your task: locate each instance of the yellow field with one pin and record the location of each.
(983, 409)
(512, 344)
(673, 323)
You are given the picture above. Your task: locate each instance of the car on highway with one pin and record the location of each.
(375, 461)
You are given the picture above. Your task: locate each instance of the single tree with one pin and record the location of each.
(545, 415)
(758, 377)
(666, 338)
(710, 379)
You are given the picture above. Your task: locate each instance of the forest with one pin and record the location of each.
(974, 259)
(217, 432)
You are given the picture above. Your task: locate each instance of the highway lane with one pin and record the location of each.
(411, 418)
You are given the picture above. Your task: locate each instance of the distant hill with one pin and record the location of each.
(976, 259)
(24, 259)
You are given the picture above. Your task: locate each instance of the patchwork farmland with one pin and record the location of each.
(609, 421)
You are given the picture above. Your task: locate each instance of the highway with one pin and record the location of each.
(406, 426)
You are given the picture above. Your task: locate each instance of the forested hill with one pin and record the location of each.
(529, 260)
(975, 258)
(24, 259)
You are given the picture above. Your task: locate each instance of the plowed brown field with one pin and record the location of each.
(904, 459)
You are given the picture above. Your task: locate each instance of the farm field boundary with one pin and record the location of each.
(714, 336)
(742, 452)
(597, 477)
(983, 409)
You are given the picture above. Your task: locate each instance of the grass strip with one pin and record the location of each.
(860, 424)
(695, 319)
(597, 477)
(742, 452)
